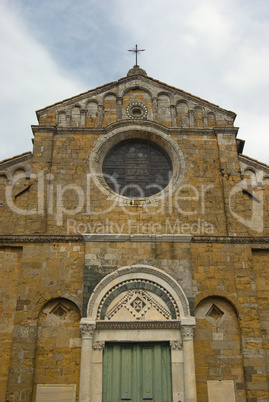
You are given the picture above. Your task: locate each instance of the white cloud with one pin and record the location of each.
(29, 80)
(214, 49)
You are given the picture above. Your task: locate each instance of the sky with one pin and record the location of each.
(53, 50)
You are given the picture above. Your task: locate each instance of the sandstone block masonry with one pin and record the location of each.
(64, 230)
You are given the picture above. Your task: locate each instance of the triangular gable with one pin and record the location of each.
(166, 104)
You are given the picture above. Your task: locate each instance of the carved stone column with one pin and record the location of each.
(155, 108)
(187, 332)
(191, 118)
(83, 117)
(119, 108)
(100, 115)
(173, 114)
(87, 333)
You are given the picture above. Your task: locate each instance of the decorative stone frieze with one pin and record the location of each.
(128, 325)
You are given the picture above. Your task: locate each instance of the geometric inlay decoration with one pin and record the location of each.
(214, 314)
(59, 310)
(138, 303)
(140, 297)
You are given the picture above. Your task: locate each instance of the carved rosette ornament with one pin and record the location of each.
(87, 330)
(187, 332)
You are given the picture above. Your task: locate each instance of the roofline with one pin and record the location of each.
(22, 157)
(254, 161)
(130, 78)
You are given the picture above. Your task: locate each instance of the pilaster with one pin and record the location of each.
(187, 332)
(87, 333)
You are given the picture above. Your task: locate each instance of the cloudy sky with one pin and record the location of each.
(215, 49)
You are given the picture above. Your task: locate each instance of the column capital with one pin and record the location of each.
(187, 325)
(87, 328)
(187, 332)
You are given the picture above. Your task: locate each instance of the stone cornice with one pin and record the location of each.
(43, 129)
(165, 238)
(39, 239)
(226, 130)
(16, 160)
(254, 163)
(130, 124)
(231, 240)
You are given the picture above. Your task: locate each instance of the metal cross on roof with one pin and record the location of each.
(136, 50)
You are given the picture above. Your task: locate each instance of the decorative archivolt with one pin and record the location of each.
(138, 292)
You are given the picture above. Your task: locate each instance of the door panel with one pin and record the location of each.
(126, 374)
(137, 372)
(147, 377)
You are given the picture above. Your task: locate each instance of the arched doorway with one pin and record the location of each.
(136, 316)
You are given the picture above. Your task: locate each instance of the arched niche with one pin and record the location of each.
(142, 305)
(134, 95)
(75, 115)
(211, 119)
(164, 112)
(61, 118)
(198, 117)
(3, 179)
(217, 345)
(182, 114)
(91, 114)
(58, 343)
(109, 109)
(250, 177)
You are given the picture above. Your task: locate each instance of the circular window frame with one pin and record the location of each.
(105, 143)
(130, 110)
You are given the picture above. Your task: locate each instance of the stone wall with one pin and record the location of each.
(206, 229)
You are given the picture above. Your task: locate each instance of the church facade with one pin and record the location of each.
(134, 253)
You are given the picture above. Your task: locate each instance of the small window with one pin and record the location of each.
(137, 110)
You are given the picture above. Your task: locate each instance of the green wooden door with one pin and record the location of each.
(137, 372)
